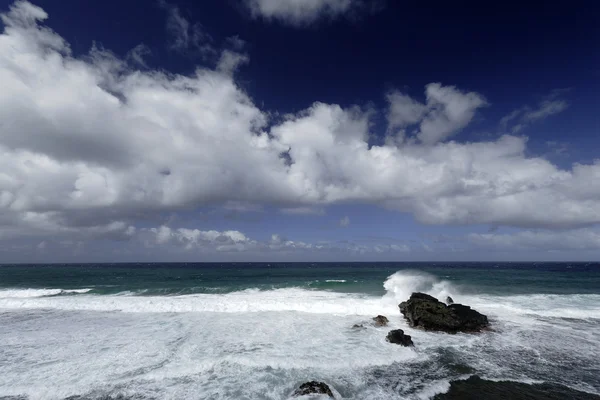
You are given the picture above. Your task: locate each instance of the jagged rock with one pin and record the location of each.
(426, 312)
(476, 388)
(449, 300)
(313, 387)
(397, 336)
(358, 326)
(381, 320)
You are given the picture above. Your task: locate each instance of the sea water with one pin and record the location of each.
(258, 331)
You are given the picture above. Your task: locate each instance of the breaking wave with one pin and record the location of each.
(398, 286)
(34, 293)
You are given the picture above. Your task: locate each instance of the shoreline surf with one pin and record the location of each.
(137, 340)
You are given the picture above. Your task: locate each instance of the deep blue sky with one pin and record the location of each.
(513, 54)
(499, 48)
(509, 52)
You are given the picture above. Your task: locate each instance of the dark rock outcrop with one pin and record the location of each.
(397, 336)
(358, 326)
(476, 388)
(426, 312)
(449, 300)
(313, 387)
(381, 320)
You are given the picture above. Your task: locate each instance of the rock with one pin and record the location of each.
(313, 387)
(449, 300)
(397, 336)
(380, 320)
(476, 388)
(426, 312)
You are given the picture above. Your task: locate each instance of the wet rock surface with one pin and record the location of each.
(428, 313)
(381, 320)
(397, 336)
(313, 387)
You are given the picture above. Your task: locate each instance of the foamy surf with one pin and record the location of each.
(262, 344)
(398, 286)
(278, 300)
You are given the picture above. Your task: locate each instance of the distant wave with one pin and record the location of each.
(33, 293)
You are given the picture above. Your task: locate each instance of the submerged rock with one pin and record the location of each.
(313, 387)
(397, 336)
(426, 312)
(449, 300)
(378, 321)
(381, 320)
(476, 388)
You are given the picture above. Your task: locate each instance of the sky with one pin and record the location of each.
(299, 130)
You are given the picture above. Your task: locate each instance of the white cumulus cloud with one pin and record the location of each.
(447, 111)
(94, 146)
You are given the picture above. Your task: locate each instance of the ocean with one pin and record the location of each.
(259, 330)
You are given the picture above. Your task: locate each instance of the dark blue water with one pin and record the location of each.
(188, 278)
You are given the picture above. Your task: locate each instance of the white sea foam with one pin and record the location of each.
(336, 280)
(578, 306)
(75, 291)
(439, 386)
(398, 286)
(403, 283)
(289, 299)
(197, 355)
(263, 344)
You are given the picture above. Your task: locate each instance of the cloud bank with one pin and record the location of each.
(94, 146)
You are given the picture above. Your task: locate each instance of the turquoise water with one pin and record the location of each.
(174, 279)
(257, 331)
